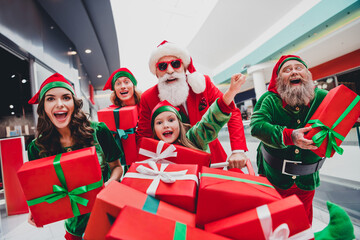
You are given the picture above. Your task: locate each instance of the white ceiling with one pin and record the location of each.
(216, 33)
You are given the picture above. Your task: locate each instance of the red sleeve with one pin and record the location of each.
(287, 136)
(144, 125)
(227, 109)
(235, 124)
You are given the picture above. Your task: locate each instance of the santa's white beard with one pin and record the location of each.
(176, 92)
(296, 95)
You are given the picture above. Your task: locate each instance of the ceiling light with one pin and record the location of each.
(71, 53)
(88, 51)
(329, 80)
(12, 76)
(12, 113)
(24, 80)
(11, 106)
(99, 76)
(79, 77)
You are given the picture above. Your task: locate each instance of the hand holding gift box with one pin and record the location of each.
(61, 186)
(175, 183)
(161, 152)
(122, 122)
(282, 219)
(225, 193)
(333, 120)
(134, 223)
(116, 196)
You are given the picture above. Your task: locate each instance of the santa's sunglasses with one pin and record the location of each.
(175, 64)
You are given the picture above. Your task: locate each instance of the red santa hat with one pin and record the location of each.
(54, 81)
(283, 59)
(195, 80)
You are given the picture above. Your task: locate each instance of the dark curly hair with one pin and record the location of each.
(48, 138)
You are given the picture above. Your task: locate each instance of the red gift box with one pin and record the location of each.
(47, 181)
(225, 193)
(172, 183)
(333, 120)
(161, 152)
(133, 223)
(122, 122)
(116, 196)
(286, 217)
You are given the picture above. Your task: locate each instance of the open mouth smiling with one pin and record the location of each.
(60, 115)
(167, 133)
(295, 81)
(170, 80)
(124, 93)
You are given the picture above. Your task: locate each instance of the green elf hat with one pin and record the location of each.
(283, 59)
(121, 72)
(161, 107)
(54, 81)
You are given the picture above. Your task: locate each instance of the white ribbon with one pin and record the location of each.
(282, 232)
(154, 173)
(158, 156)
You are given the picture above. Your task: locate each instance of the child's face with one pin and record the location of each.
(59, 106)
(166, 126)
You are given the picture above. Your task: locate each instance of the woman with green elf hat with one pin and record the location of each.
(124, 92)
(63, 127)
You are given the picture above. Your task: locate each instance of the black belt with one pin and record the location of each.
(290, 167)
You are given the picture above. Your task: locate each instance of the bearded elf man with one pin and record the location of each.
(279, 117)
(192, 94)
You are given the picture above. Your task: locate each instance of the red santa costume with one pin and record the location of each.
(202, 93)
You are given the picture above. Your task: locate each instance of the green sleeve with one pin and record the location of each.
(207, 129)
(263, 124)
(33, 151)
(107, 142)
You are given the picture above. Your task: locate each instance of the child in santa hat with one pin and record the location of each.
(167, 124)
(63, 127)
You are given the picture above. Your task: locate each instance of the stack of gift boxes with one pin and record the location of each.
(169, 192)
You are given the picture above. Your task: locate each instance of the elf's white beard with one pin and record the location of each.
(176, 92)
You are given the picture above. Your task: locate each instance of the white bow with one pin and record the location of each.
(282, 232)
(154, 173)
(158, 156)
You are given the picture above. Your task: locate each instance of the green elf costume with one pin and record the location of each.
(207, 129)
(273, 122)
(105, 145)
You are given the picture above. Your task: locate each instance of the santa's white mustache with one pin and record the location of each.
(168, 76)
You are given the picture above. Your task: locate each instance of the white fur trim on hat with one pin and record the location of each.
(168, 49)
(197, 82)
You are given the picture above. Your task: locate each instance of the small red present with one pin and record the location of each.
(61, 186)
(172, 183)
(116, 196)
(122, 122)
(333, 120)
(161, 152)
(225, 193)
(284, 218)
(133, 223)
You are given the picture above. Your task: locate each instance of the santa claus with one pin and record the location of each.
(192, 93)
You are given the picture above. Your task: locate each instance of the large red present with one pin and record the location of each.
(225, 193)
(172, 183)
(161, 152)
(133, 223)
(122, 122)
(333, 120)
(116, 196)
(61, 186)
(284, 218)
